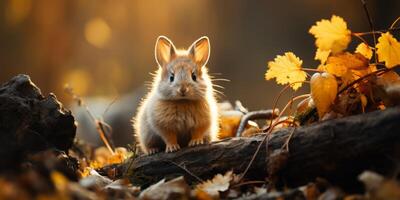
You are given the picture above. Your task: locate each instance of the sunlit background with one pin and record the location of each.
(105, 48)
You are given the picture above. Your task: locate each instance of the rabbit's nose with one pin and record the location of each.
(183, 90)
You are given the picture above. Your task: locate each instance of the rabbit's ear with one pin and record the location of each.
(200, 51)
(164, 51)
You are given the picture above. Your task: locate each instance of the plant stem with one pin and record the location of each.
(371, 25)
(312, 70)
(377, 32)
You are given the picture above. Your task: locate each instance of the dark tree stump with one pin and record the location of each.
(30, 122)
(337, 150)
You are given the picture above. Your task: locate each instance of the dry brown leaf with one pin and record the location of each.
(94, 180)
(201, 195)
(323, 91)
(220, 183)
(348, 60)
(363, 72)
(174, 189)
(335, 69)
(389, 190)
(312, 192)
(304, 105)
(393, 92)
(388, 78)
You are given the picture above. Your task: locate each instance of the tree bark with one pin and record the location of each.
(337, 150)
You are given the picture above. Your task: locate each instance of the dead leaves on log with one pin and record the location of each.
(344, 83)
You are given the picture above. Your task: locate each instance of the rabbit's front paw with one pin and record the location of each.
(196, 141)
(172, 147)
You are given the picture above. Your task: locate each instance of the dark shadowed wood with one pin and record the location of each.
(337, 150)
(31, 122)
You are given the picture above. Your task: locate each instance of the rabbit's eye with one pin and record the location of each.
(194, 77)
(171, 77)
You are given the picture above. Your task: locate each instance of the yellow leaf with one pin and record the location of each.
(331, 34)
(364, 50)
(323, 92)
(287, 70)
(103, 157)
(59, 180)
(322, 55)
(388, 50)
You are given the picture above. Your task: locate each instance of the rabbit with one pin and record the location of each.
(181, 108)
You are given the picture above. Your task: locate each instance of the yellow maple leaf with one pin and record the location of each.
(388, 50)
(364, 50)
(323, 92)
(322, 55)
(287, 70)
(331, 34)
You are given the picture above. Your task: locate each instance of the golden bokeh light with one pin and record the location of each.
(97, 32)
(17, 11)
(79, 80)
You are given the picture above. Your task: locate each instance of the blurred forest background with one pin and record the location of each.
(105, 48)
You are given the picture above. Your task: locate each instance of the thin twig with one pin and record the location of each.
(186, 170)
(109, 105)
(254, 155)
(280, 94)
(254, 115)
(371, 26)
(103, 134)
(69, 90)
(291, 102)
(378, 31)
(361, 38)
(312, 70)
(272, 125)
(248, 183)
(395, 22)
(286, 144)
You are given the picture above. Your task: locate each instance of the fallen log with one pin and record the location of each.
(337, 150)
